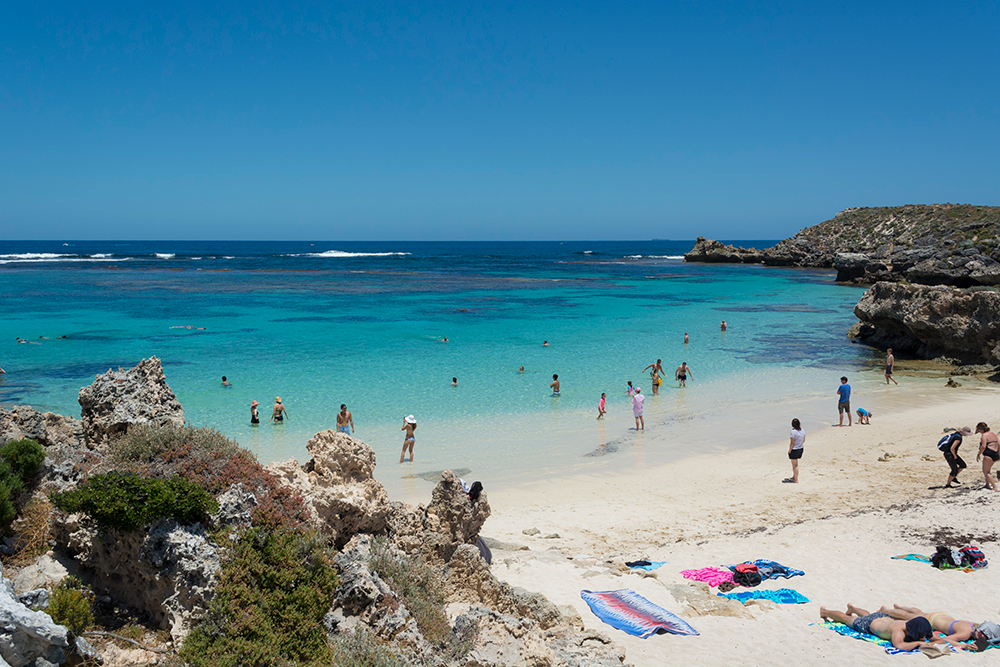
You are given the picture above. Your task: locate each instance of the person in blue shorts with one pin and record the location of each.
(345, 420)
(844, 404)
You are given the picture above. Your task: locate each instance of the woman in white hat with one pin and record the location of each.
(409, 425)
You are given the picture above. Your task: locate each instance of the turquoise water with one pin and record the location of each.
(334, 323)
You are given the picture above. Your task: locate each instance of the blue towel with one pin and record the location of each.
(630, 612)
(652, 565)
(781, 596)
(764, 565)
(848, 631)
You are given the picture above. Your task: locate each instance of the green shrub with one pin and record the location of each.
(145, 442)
(205, 457)
(361, 649)
(71, 604)
(274, 589)
(418, 586)
(24, 456)
(7, 489)
(125, 502)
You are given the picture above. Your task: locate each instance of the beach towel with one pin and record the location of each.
(768, 569)
(848, 631)
(713, 576)
(781, 596)
(916, 557)
(649, 566)
(630, 612)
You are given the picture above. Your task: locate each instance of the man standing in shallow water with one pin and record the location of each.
(682, 373)
(345, 420)
(890, 361)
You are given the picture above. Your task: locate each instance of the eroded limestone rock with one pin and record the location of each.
(49, 429)
(338, 485)
(119, 398)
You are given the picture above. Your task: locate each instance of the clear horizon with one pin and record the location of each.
(492, 122)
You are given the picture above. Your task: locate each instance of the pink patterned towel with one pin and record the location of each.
(713, 576)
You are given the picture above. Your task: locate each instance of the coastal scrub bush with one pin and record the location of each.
(71, 604)
(361, 649)
(24, 456)
(125, 501)
(418, 586)
(19, 461)
(274, 589)
(32, 529)
(207, 458)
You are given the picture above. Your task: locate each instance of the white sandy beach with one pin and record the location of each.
(841, 524)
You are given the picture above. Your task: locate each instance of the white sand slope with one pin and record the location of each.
(841, 524)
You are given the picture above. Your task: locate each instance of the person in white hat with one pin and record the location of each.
(409, 425)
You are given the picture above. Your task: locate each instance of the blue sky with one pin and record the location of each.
(415, 121)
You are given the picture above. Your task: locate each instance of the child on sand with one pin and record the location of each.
(864, 417)
(600, 407)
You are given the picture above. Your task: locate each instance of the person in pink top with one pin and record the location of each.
(600, 407)
(637, 401)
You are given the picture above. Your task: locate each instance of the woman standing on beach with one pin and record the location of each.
(796, 445)
(989, 452)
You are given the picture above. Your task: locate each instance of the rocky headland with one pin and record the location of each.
(372, 581)
(933, 270)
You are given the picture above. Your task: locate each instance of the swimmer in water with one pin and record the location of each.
(545, 343)
(454, 382)
(555, 385)
(522, 369)
(685, 337)
(225, 382)
(279, 412)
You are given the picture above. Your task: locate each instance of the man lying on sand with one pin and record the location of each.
(955, 631)
(904, 635)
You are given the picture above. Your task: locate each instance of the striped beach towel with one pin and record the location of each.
(630, 612)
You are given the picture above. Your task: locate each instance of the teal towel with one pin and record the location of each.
(781, 596)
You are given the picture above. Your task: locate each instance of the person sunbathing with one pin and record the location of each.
(953, 630)
(904, 635)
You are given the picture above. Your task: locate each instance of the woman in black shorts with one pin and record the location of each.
(796, 442)
(989, 452)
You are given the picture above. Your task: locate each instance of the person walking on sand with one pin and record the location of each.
(279, 412)
(600, 407)
(409, 425)
(844, 402)
(682, 373)
(949, 445)
(890, 361)
(796, 445)
(555, 385)
(637, 402)
(254, 414)
(345, 420)
(989, 452)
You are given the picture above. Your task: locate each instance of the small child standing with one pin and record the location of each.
(600, 407)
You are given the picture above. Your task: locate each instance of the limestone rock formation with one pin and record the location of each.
(438, 530)
(931, 322)
(714, 252)
(338, 485)
(49, 429)
(168, 571)
(123, 397)
(27, 637)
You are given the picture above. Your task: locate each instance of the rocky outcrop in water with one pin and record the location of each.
(928, 322)
(338, 485)
(123, 397)
(715, 252)
(936, 244)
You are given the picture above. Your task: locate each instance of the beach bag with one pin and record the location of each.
(944, 444)
(748, 579)
(946, 558)
(973, 557)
